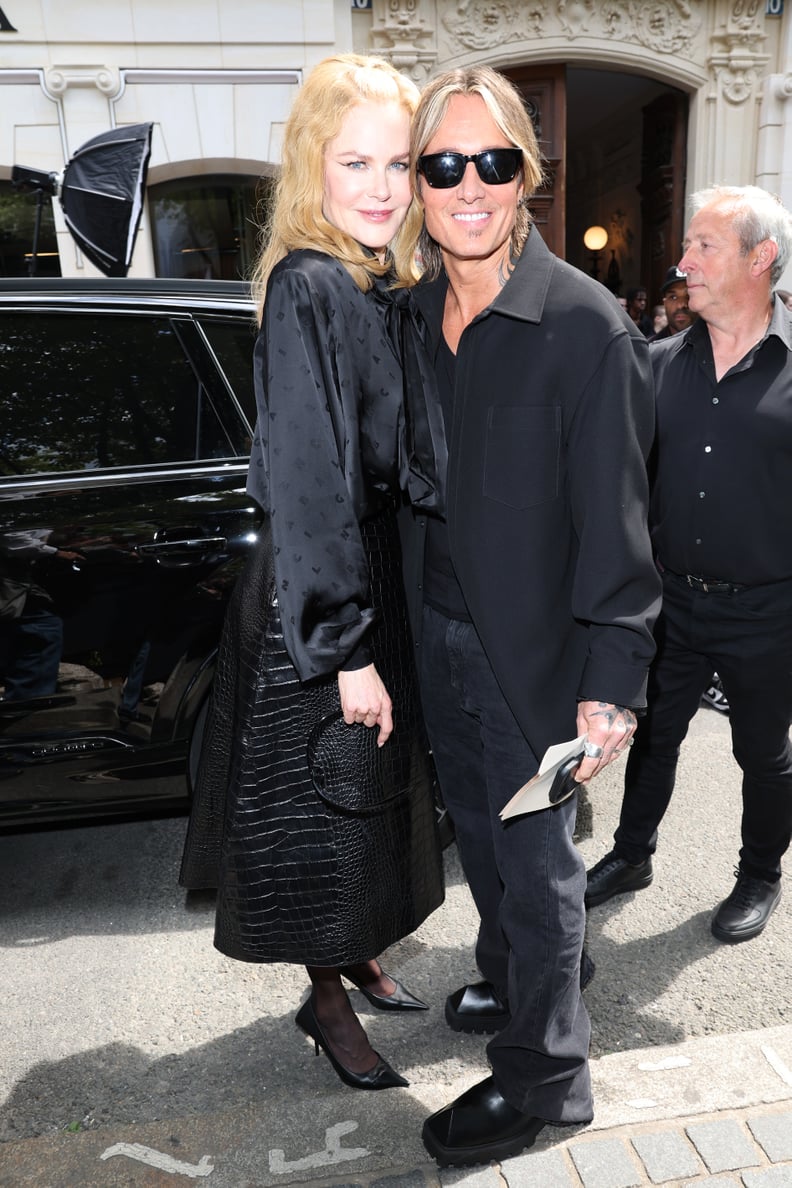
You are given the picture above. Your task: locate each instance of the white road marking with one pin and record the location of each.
(333, 1152)
(160, 1160)
(669, 1062)
(777, 1065)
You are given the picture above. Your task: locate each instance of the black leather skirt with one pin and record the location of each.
(299, 879)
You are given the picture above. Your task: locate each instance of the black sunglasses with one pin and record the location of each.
(495, 167)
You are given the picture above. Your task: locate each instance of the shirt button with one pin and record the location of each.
(698, 540)
(707, 449)
(714, 399)
(702, 494)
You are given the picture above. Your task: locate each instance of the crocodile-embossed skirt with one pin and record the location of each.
(298, 880)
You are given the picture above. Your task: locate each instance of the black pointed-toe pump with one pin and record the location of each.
(381, 1076)
(399, 1000)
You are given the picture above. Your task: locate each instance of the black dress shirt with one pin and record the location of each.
(441, 586)
(548, 492)
(722, 492)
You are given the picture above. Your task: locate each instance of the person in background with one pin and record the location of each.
(680, 317)
(528, 637)
(659, 320)
(721, 520)
(636, 309)
(314, 812)
(675, 303)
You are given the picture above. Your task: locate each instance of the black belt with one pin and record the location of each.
(706, 585)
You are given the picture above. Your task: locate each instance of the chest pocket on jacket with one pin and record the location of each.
(523, 448)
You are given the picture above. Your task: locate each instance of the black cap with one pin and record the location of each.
(671, 277)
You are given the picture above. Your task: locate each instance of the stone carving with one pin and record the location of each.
(665, 26)
(574, 16)
(737, 61)
(58, 79)
(480, 24)
(662, 26)
(400, 35)
(738, 83)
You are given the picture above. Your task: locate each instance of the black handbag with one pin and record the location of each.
(350, 772)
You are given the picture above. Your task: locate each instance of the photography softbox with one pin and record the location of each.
(101, 195)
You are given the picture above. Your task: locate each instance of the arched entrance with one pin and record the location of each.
(615, 148)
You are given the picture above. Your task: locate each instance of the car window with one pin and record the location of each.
(232, 342)
(82, 391)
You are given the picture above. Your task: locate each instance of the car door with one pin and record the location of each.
(123, 514)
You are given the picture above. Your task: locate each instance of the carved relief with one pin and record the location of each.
(574, 15)
(400, 35)
(738, 83)
(742, 9)
(480, 24)
(58, 79)
(666, 26)
(737, 61)
(662, 26)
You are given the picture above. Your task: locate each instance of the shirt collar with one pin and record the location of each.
(523, 296)
(525, 293)
(781, 322)
(780, 326)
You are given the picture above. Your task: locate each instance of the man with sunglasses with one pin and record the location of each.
(539, 591)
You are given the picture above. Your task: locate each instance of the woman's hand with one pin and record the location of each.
(365, 699)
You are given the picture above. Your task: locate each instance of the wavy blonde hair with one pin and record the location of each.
(297, 220)
(505, 104)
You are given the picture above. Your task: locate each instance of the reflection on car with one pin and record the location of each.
(127, 414)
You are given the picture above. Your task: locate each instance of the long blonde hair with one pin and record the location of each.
(507, 109)
(297, 221)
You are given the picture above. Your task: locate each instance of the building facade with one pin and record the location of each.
(636, 104)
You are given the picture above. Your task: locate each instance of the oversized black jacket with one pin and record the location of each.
(547, 491)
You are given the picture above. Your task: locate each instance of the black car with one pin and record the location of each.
(126, 414)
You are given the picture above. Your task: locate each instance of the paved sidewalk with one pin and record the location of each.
(715, 1111)
(178, 1067)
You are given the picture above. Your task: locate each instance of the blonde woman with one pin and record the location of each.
(314, 811)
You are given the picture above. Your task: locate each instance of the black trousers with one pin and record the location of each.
(745, 637)
(527, 877)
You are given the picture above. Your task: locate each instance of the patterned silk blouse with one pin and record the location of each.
(339, 434)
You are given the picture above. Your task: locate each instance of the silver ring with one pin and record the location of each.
(591, 750)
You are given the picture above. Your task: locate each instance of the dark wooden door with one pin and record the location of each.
(662, 187)
(543, 88)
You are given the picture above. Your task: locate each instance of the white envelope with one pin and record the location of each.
(535, 794)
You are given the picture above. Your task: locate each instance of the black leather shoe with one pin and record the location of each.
(613, 876)
(399, 1000)
(744, 913)
(477, 1127)
(476, 1009)
(381, 1076)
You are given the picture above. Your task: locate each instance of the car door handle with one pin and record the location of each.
(200, 544)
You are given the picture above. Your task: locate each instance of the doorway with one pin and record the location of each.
(615, 149)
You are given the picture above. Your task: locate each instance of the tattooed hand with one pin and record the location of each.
(609, 728)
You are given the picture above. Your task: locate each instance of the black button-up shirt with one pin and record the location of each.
(722, 493)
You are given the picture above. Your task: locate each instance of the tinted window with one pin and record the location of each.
(85, 391)
(233, 342)
(206, 227)
(17, 235)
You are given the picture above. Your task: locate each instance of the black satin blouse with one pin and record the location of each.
(339, 432)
